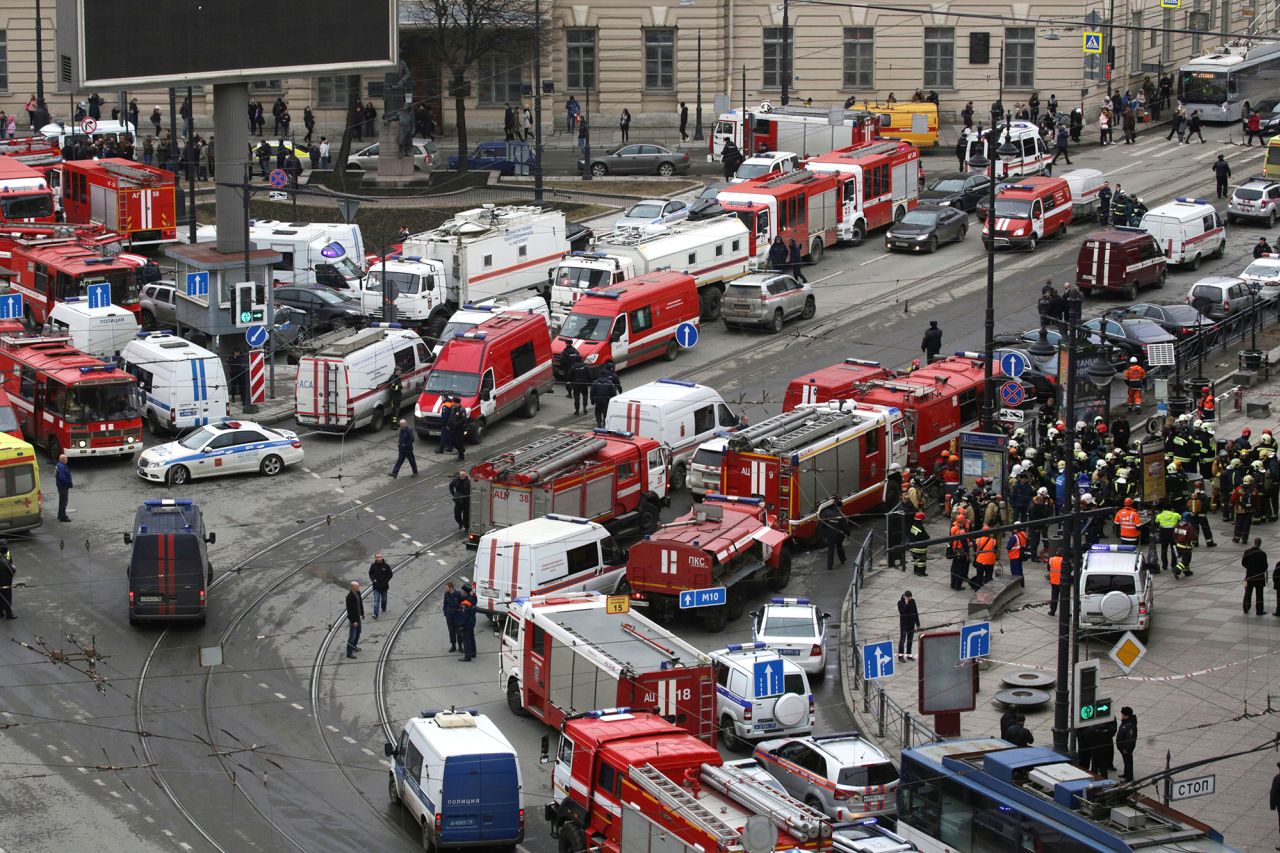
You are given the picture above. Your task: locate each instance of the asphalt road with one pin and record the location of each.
(281, 746)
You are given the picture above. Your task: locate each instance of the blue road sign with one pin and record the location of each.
(975, 640)
(11, 306)
(99, 295)
(1092, 43)
(197, 284)
(255, 336)
(687, 335)
(877, 660)
(709, 597)
(1012, 395)
(278, 178)
(1012, 364)
(768, 674)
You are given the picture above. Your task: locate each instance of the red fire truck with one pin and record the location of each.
(567, 653)
(799, 461)
(628, 781)
(723, 541)
(791, 128)
(836, 382)
(800, 205)
(614, 478)
(52, 269)
(881, 183)
(69, 402)
(25, 195)
(134, 200)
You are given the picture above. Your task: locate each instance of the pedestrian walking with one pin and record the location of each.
(309, 122)
(467, 623)
(62, 479)
(835, 527)
(1063, 139)
(1255, 562)
(1129, 123)
(6, 583)
(1019, 734)
(1195, 125)
(624, 124)
(380, 578)
(730, 159)
(1252, 128)
(1177, 125)
(602, 391)
(1275, 795)
(324, 152)
(404, 447)
(908, 622)
(452, 611)
(1135, 376)
(1055, 582)
(1167, 521)
(1104, 203)
(572, 109)
(582, 136)
(1184, 537)
(460, 491)
(1104, 127)
(1221, 173)
(796, 261)
(579, 385)
(778, 254)
(526, 123)
(355, 616)
(508, 123)
(931, 343)
(684, 121)
(1127, 741)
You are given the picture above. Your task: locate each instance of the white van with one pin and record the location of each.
(101, 332)
(1117, 592)
(680, 414)
(1033, 155)
(328, 253)
(556, 553)
(180, 385)
(473, 314)
(1187, 229)
(1085, 185)
(59, 131)
(459, 778)
(347, 384)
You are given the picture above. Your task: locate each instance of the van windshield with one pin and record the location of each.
(8, 420)
(456, 328)
(452, 382)
(582, 278)
(586, 327)
(1013, 208)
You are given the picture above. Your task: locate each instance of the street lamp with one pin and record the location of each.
(1101, 374)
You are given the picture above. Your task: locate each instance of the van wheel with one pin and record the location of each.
(531, 405)
(647, 518)
(728, 737)
(1031, 243)
(179, 475)
(379, 418)
(776, 325)
(572, 838)
(272, 465)
(514, 700)
(1218, 252)
(816, 248)
(153, 423)
(679, 476)
(392, 794)
(1062, 232)
(1131, 292)
(673, 349)
(476, 433)
(737, 604)
(810, 308)
(427, 843)
(711, 298)
(778, 578)
(714, 619)
(1194, 263)
(435, 326)
(1160, 280)
(149, 320)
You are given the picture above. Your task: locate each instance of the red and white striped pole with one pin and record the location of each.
(257, 377)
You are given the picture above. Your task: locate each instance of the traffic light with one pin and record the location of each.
(249, 308)
(1088, 708)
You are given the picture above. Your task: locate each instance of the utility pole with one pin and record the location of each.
(586, 121)
(39, 57)
(697, 122)
(537, 101)
(1111, 45)
(193, 159)
(786, 51)
(172, 152)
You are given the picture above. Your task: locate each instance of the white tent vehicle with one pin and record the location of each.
(347, 384)
(328, 253)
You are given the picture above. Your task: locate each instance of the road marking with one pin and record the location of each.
(296, 705)
(50, 747)
(115, 794)
(385, 763)
(82, 769)
(314, 474)
(368, 509)
(380, 517)
(393, 527)
(264, 685)
(333, 729)
(416, 543)
(99, 783)
(367, 751)
(67, 758)
(876, 258)
(441, 562)
(357, 502)
(184, 845)
(148, 818)
(281, 696)
(349, 739)
(308, 470)
(429, 553)
(167, 832)
(339, 490)
(1122, 168)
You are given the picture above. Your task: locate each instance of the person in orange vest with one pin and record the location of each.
(1134, 376)
(984, 556)
(1017, 541)
(1055, 583)
(958, 550)
(1128, 522)
(1207, 403)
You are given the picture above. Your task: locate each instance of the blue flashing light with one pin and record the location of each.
(96, 368)
(621, 433)
(738, 647)
(385, 326)
(683, 383)
(1114, 548)
(606, 712)
(713, 496)
(1185, 200)
(788, 600)
(862, 361)
(167, 502)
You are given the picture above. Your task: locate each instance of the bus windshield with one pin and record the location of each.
(1203, 87)
(101, 401)
(452, 382)
(27, 207)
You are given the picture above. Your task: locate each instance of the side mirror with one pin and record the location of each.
(826, 615)
(212, 538)
(545, 755)
(128, 539)
(388, 749)
(754, 614)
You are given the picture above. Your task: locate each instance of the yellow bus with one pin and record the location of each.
(20, 497)
(911, 121)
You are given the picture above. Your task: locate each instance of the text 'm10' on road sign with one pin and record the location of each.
(877, 660)
(712, 596)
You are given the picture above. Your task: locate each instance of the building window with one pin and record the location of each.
(500, 80)
(274, 86)
(4, 60)
(1195, 13)
(859, 58)
(1166, 46)
(773, 55)
(580, 58)
(1135, 44)
(939, 57)
(1226, 16)
(332, 91)
(659, 59)
(1020, 57)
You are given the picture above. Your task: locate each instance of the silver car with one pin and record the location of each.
(843, 775)
(156, 305)
(767, 299)
(425, 155)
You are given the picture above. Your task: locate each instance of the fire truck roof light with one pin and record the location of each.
(788, 600)
(385, 326)
(74, 299)
(712, 496)
(607, 294)
(968, 354)
(477, 336)
(167, 502)
(1113, 548)
(1191, 200)
(683, 383)
(97, 368)
(472, 306)
(622, 433)
(738, 647)
(570, 518)
(416, 259)
(607, 712)
(143, 334)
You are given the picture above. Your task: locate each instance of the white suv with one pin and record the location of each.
(1116, 590)
(1263, 276)
(745, 714)
(704, 467)
(1255, 198)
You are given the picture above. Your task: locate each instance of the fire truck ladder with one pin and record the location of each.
(786, 812)
(546, 456)
(622, 665)
(887, 147)
(129, 173)
(35, 161)
(757, 433)
(677, 799)
(819, 423)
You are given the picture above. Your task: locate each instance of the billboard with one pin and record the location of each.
(123, 44)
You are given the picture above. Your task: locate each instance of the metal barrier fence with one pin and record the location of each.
(1191, 351)
(882, 717)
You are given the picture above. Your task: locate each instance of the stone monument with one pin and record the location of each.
(395, 139)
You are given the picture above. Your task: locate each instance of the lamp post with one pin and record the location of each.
(537, 101)
(697, 121)
(786, 50)
(40, 58)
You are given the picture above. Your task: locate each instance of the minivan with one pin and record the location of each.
(1118, 261)
(169, 570)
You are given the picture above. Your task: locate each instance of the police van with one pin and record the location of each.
(1187, 229)
(749, 708)
(459, 778)
(101, 332)
(348, 384)
(180, 385)
(169, 570)
(552, 554)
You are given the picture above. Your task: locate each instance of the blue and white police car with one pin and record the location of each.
(227, 447)
(797, 630)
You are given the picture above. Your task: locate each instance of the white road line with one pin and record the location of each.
(392, 527)
(404, 535)
(314, 474)
(385, 763)
(296, 705)
(441, 562)
(115, 794)
(429, 553)
(333, 729)
(167, 832)
(185, 846)
(416, 543)
(99, 783)
(368, 509)
(308, 470)
(281, 696)
(380, 517)
(148, 818)
(82, 769)
(349, 739)
(264, 685)
(68, 759)
(876, 258)
(367, 751)
(1122, 168)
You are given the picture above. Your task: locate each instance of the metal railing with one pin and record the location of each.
(881, 717)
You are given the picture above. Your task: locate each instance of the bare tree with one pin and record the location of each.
(459, 33)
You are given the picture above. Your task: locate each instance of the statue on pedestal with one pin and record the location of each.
(397, 92)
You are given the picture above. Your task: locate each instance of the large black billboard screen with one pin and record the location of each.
(135, 42)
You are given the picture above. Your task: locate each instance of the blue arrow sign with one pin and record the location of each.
(687, 335)
(1012, 364)
(768, 675)
(709, 597)
(99, 295)
(11, 306)
(197, 284)
(255, 336)
(1012, 395)
(877, 660)
(975, 640)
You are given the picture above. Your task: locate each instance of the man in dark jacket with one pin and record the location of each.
(1262, 247)
(6, 585)
(796, 261)
(1275, 583)
(1103, 756)
(460, 490)
(908, 622)
(467, 623)
(355, 615)
(931, 344)
(1221, 174)
(1104, 203)
(459, 420)
(1275, 794)
(380, 577)
(1019, 734)
(1254, 561)
(62, 479)
(569, 356)
(452, 608)
(1007, 721)
(579, 385)
(404, 444)
(730, 159)
(834, 528)
(778, 254)
(602, 391)
(1127, 741)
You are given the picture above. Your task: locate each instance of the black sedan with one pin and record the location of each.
(1179, 319)
(1131, 337)
(961, 190)
(706, 205)
(323, 307)
(923, 228)
(1269, 111)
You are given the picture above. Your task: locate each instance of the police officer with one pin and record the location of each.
(835, 527)
(1104, 203)
(452, 606)
(569, 356)
(460, 491)
(467, 623)
(459, 421)
(919, 552)
(602, 391)
(579, 385)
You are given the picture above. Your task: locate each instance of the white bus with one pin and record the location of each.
(1219, 84)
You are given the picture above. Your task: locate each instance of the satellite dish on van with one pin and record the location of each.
(765, 107)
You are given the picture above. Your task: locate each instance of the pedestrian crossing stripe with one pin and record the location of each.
(1093, 41)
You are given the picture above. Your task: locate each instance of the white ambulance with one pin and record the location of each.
(101, 331)
(1031, 156)
(678, 413)
(347, 384)
(1187, 229)
(180, 385)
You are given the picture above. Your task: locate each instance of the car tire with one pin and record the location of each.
(932, 245)
(179, 475)
(1231, 219)
(666, 170)
(427, 844)
(271, 466)
(475, 433)
(148, 320)
(153, 423)
(1220, 251)
(679, 476)
(1271, 218)
(515, 702)
(814, 803)
(964, 232)
(392, 794)
(819, 676)
(714, 619)
(599, 170)
(1131, 292)
(531, 405)
(776, 325)
(379, 418)
(729, 737)
(672, 350)
(1032, 243)
(810, 308)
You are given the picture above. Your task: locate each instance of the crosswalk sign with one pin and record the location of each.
(1093, 41)
(1170, 4)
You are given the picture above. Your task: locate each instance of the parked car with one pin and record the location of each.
(653, 211)
(1269, 111)
(766, 163)
(1116, 357)
(1179, 319)
(498, 156)
(323, 307)
(425, 155)
(1255, 198)
(639, 159)
(923, 228)
(706, 205)
(1117, 592)
(1130, 336)
(798, 629)
(1263, 276)
(1042, 379)
(842, 775)
(962, 190)
(766, 299)
(156, 306)
(1219, 296)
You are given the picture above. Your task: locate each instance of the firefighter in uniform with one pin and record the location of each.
(984, 557)
(1166, 520)
(1134, 376)
(1017, 541)
(1184, 537)
(1055, 583)
(1243, 502)
(1128, 523)
(1229, 478)
(919, 552)
(1182, 446)
(1176, 485)
(1207, 404)
(1198, 509)
(1270, 484)
(835, 527)
(396, 389)
(1207, 446)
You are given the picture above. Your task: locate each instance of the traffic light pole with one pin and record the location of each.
(1068, 584)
